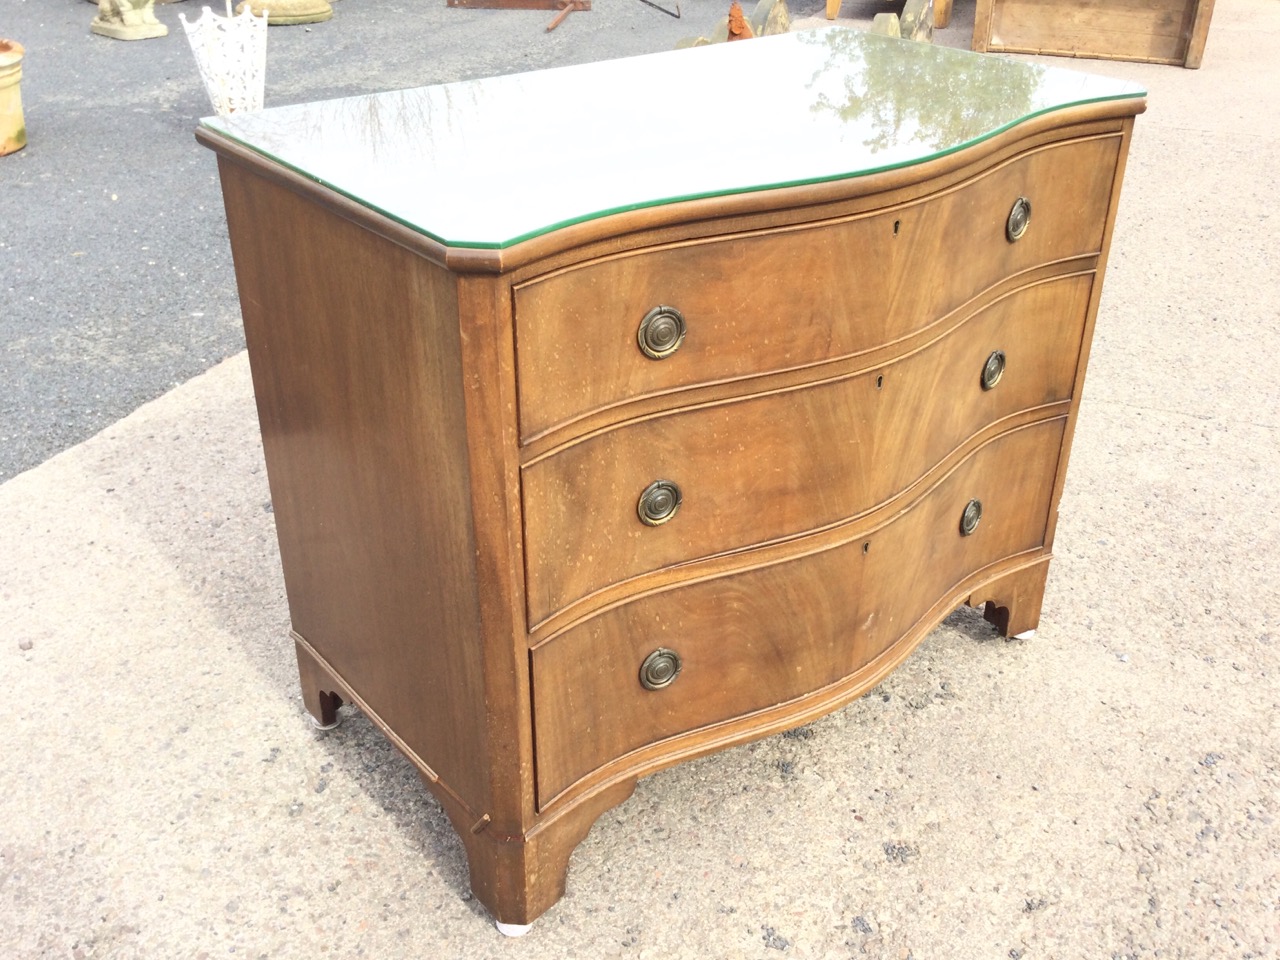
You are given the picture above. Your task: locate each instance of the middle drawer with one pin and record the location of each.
(774, 466)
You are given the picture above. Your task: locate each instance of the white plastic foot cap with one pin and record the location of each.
(1025, 635)
(513, 929)
(321, 726)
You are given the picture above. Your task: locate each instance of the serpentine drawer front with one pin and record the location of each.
(801, 294)
(575, 482)
(737, 638)
(771, 466)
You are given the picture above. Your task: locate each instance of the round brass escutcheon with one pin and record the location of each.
(659, 502)
(993, 369)
(661, 332)
(969, 519)
(660, 669)
(1019, 218)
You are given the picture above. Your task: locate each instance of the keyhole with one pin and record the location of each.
(896, 225)
(879, 381)
(866, 547)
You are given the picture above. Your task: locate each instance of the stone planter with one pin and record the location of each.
(288, 11)
(13, 130)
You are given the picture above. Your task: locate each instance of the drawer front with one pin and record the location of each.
(757, 639)
(775, 466)
(792, 297)
(1152, 31)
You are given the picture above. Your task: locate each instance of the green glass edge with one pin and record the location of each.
(612, 211)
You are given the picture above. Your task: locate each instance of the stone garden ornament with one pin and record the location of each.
(127, 20)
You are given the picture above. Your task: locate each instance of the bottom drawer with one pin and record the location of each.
(756, 639)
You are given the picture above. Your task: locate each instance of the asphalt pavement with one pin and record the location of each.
(114, 261)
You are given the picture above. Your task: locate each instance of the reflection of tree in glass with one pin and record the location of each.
(904, 91)
(397, 123)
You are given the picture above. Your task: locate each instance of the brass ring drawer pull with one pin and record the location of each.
(660, 669)
(1019, 218)
(993, 369)
(661, 332)
(969, 519)
(659, 503)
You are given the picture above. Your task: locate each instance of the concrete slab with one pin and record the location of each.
(1109, 788)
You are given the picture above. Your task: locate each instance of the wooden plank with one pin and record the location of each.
(1144, 30)
(982, 25)
(1199, 34)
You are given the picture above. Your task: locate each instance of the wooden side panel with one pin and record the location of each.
(780, 299)
(355, 351)
(1199, 34)
(776, 466)
(1086, 345)
(489, 387)
(777, 633)
(1146, 30)
(982, 25)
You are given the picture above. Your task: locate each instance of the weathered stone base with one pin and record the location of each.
(12, 143)
(128, 31)
(289, 12)
(917, 20)
(13, 130)
(886, 24)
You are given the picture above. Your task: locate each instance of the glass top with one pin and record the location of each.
(489, 163)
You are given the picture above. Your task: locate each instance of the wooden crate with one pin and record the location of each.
(1150, 31)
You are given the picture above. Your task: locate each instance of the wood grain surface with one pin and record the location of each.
(770, 467)
(775, 634)
(456, 439)
(1153, 31)
(774, 299)
(355, 353)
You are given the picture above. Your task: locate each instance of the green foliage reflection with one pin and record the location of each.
(902, 91)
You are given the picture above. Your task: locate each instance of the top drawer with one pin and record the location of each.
(789, 297)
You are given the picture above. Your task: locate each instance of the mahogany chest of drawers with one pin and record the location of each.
(607, 435)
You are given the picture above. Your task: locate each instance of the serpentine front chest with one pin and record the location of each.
(610, 430)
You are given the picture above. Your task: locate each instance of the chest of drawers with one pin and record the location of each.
(600, 438)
